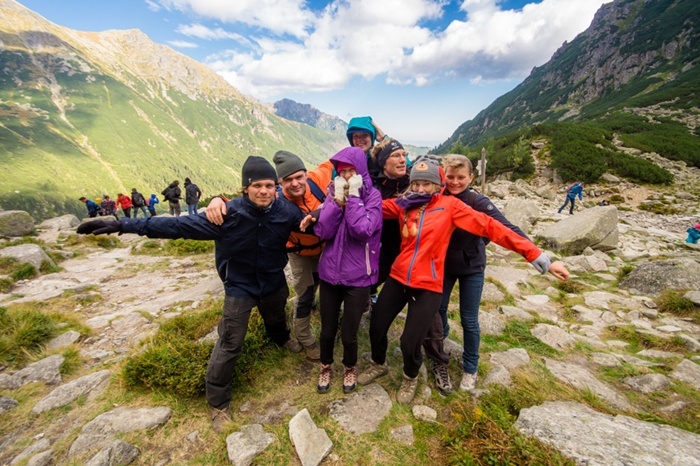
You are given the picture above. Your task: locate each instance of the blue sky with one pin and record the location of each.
(420, 68)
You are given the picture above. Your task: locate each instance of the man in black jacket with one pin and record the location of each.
(192, 196)
(250, 259)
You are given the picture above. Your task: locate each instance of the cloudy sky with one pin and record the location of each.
(420, 68)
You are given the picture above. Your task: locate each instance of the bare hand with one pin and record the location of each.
(216, 211)
(306, 222)
(559, 270)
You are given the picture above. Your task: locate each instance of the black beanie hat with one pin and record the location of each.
(392, 145)
(256, 169)
(287, 163)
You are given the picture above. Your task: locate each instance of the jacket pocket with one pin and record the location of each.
(367, 262)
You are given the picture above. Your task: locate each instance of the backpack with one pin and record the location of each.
(138, 200)
(166, 193)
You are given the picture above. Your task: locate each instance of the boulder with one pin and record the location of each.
(657, 276)
(15, 223)
(521, 212)
(361, 412)
(596, 227)
(608, 439)
(64, 222)
(27, 253)
(244, 446)
(311, 443)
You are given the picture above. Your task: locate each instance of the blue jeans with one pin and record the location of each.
(470, 288)
(192, 209)
(571, 200)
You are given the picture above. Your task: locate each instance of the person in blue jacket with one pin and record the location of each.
(93, 208)
(572, 191)
(151, 204)
(693, 234)
(465, 263)
(250, 259)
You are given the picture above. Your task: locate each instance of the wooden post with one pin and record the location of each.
(483, 170)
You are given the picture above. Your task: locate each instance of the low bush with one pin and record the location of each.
(23, 333)
(672, 302)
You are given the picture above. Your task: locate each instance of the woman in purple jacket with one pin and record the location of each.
(350, 222)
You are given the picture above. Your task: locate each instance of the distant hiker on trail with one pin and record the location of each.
(139, 203)
(125, 203)
(351, 223)
(573, 190)
(109, 207)
(93, 209)
(173, 194)
(693, 234)
(250, 259)
(151, 204)
(192, 196)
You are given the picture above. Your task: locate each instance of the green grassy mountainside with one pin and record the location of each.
(634, 73)
(92, 113)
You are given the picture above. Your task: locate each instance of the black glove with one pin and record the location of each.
(100, 227)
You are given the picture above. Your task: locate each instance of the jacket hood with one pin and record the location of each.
(361, 125)
(356, 157)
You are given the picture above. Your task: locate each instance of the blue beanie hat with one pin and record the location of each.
(361, 125)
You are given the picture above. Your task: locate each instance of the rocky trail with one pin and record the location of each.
(622, 260)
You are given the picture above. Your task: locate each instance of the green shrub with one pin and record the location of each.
(6, 285)
(624, 271)
(176, 362)
(672, 302)
(186, 247)
(22, 334)
(23, 271)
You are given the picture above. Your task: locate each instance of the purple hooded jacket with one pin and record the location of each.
(352, 234)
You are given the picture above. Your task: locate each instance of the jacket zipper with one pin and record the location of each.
(415, 251)
(369, 268)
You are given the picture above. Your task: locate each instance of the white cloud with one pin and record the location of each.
(153, 6)
(277, 16)
(203, 32)
(182, 44)
(369, 38)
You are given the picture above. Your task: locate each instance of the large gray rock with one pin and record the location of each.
(579, 377)
(67, 393)
(64, 222)
(39, 446)
(15, 223)
(597, 439)
(657, 276)
(688, 372)
(27, 254)
(361, 412)
(46, 370)
(65, 339)
(511, 359)
(44, 458)
(118, 453)
(311, 443)
(647, 383)
(596, 228)
(521, 212)
(553, 336)
(245, 445)
(101, 431)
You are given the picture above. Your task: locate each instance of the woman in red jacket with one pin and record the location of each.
(427, 220)
(125, 203)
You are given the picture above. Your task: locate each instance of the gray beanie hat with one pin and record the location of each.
(287, 163)
(426, 169)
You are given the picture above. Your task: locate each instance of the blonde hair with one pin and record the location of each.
(457, 161)
(378, 148)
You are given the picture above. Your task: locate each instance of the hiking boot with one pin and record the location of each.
(372, 372)
(468, 382)
(293, 346)
(349, 379)
(324, 378)
(442, 379)
(313, 352)
(219, 418)
(407, 390)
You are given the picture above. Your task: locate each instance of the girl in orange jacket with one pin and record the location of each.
(427, 220)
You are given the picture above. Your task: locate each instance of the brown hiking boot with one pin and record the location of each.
(293, 346)
(313, 352)
(372, 372)
(407, 390)
(220, 418)
(442, 379)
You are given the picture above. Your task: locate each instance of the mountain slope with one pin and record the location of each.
(637, 56)
(93, 113)
(310, 115)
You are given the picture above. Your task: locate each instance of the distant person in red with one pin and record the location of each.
(125, 203)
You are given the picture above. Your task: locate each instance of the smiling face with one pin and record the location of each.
(294, 185)
(362, 140)
(424, 187)
(261, 192)
(458, 179)
(395, 165)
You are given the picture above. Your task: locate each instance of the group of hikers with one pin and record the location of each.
(136, 202)
(367, 229)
